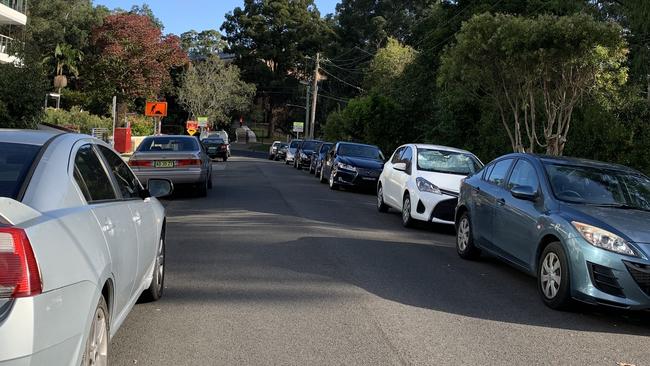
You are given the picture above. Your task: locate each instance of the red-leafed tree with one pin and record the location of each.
(135, 57)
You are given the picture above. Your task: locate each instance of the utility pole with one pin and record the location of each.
(307, 107)
(314, 86)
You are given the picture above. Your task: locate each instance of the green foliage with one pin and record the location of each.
(388, 65)
(76, 118)
(201, 45)
(213, 89)
(140, 125)
(22, 91)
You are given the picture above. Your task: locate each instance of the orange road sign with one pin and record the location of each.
(156, 109)
(192, 127)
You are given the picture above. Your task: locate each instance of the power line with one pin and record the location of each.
(341, 80)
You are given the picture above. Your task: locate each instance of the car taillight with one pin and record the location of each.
(224, 147)
(19, 275)
(188, 162)
(140, 163)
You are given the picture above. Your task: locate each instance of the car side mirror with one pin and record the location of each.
(526, 193)
(160, 188)
(400, 166)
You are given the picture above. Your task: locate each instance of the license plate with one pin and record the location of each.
(369, 178)
(212, 149)
(164, 164)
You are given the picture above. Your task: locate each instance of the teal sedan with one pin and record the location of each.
(580, 227)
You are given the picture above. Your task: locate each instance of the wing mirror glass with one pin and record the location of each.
(524, 193)
(160, 188)
(400, 166)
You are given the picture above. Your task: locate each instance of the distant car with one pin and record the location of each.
(182, 159)
(282, 151)
(80, 242)
(351, 164)
(220, 134)
(216, 147)
(273, 150)
(579, 226)
(291, 151)
(423, 182)
(317, 157)
(303, 153)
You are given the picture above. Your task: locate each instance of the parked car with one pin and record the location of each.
(317, 157)
(351, 164)
(303, 153)
(579, 226)
(216, 147)
(291, 151)
(423, 182)
(273, 150)
(80, 242)
(282, 151)
(182, 159)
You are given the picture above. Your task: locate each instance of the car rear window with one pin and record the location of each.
(166, 143)
(213, 141)
(15, 161)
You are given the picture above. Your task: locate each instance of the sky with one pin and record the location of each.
(179, 16)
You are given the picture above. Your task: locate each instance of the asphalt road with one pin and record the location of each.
(273, 268)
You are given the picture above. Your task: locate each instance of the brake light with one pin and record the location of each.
(140, 163)
(224, 147)
(19, 275)
(188, 162)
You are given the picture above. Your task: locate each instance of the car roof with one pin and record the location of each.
(565, 160)
(172, 136)
(29, 137)
(441, 147)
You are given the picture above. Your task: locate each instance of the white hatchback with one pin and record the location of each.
(423, 182)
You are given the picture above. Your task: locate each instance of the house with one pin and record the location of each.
(12, 13)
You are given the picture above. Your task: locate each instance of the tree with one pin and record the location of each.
(134, 56)
(388, 65)
(201, 45)
(535, 70)
(213, 89)
(65, 58)
(145, 10)
(21, 94)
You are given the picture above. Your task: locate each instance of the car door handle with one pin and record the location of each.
(109, 227)
(501, 202)
(137, 218)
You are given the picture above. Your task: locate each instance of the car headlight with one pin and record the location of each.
(303, 155)
(346, 167)
(426, 186)
(603, 239)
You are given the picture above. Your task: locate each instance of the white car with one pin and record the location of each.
(80, 242)
(423, 182)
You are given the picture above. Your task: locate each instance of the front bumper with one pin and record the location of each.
(305, 162)
(361, 178)
(432, 207)
(177, 176)
(606, 278)
(48, 329)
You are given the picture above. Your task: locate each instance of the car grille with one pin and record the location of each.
(604, 279)
(368, 172)
(445, 210)
(641, 274)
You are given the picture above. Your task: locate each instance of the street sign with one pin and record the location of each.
(192, 127)
(203, 121)
(298, 126)
(156, 109)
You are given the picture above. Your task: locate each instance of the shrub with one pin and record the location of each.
(77, 119)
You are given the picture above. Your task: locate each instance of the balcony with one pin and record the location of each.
(13, 12)
(5, 50)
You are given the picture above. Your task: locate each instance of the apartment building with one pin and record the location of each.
(12, 13)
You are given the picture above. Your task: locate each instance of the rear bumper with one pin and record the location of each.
(219, 154)
(177, 176)
(48, 329)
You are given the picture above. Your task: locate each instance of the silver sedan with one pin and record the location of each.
(80, 242)
(181, 159)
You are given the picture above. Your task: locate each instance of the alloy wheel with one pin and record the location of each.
(160, 259)
(406, 210)
(551, 276)
(380, 196)
(97, 353)
(462, 237)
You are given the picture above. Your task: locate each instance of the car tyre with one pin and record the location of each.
(157, 286)
(465, 240)
(210, 182)
(332, 183)
(553, 277)
(322, 178)
(202, 190)
(225, 158)
(98, 345)
(407, 220)
(381, 205)
(311, 170)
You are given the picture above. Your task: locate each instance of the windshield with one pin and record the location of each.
(167, 143)
(361, 151)
(447, 162)
(295, 143)
(325, 147)
(597, 186)
(310, 145)
(15, 160)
